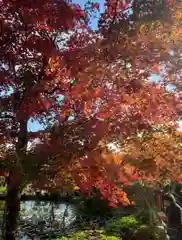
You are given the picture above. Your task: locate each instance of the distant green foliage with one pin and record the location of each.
(90, 235)
(26, 190)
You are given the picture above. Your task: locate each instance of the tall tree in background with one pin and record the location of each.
(48, 53)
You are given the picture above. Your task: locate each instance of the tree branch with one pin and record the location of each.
(114, 17)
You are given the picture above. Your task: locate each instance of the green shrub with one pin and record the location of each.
(123, 224)
(3, 190)
(90, 235)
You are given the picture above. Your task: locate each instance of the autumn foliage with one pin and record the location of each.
(49, 52)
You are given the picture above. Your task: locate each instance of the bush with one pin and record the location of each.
(91, 211)
(90, 235)
(149, 233)
(3, 190)
(93, 206)
(121, 225)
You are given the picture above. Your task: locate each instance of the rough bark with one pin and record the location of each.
(12, 206)
(14, 183)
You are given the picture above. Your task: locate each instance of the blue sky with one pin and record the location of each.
(101, 3)
(180, 124)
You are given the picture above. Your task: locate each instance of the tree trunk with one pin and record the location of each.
(12, 209)
(14, 185)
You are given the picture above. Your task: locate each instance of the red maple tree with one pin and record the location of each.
(48, 51)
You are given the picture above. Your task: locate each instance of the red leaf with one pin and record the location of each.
(112, 205)
(3, 173)
(134, 177)
(124, 180)
(96, 6)
(156, 68)
(97, 92)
